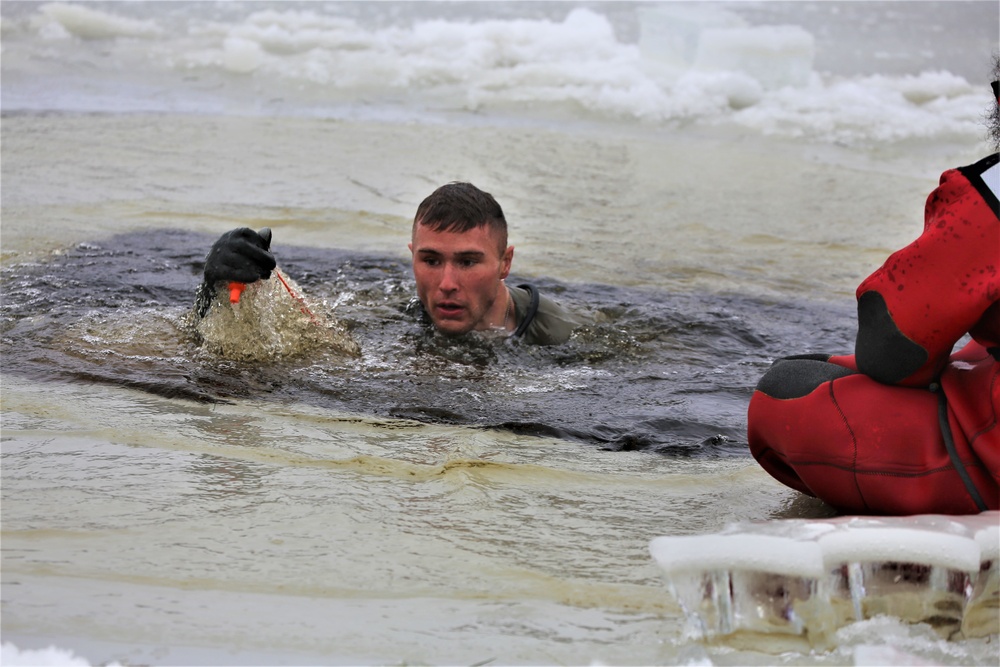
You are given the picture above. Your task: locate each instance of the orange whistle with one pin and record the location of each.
(235, 290)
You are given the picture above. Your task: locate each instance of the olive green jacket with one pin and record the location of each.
(540, 321)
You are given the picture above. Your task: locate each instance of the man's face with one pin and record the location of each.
(459, 278)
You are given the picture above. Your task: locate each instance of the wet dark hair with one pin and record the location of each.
(460, 207)
(993, 116)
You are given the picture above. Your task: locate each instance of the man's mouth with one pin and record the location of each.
(449, 310)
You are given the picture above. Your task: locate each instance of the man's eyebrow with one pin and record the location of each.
(460, 253)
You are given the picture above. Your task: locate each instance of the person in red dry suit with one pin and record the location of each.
(904, 426)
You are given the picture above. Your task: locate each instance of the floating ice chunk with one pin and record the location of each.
(776, 56)
(241, 55)
(670, 33)
(51, 656)
(928, 86)
(703, 92)
(94, 24)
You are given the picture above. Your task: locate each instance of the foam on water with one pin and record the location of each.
(689, 63)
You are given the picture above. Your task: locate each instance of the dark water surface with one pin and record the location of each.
(668, 373)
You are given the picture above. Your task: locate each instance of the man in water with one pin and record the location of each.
(903, 426)
(460, 262)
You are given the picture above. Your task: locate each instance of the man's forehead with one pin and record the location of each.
(476, 240)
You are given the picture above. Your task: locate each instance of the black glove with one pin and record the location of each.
(240, 256)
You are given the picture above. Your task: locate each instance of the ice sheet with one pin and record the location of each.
(909, 545)
(762, 553)
(753, 583)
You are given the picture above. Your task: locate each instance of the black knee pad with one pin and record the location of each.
(798, 377)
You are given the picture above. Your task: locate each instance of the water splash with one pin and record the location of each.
(272, 320)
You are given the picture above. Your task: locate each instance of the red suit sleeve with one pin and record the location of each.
(926, 296)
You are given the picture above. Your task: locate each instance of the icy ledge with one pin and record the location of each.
(791, 584)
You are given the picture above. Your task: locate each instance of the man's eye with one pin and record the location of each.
(466, 263)
(431, 261)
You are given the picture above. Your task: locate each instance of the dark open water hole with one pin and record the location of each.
(653, 370)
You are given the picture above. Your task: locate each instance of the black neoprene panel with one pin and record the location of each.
(795, 378)
(882, 351)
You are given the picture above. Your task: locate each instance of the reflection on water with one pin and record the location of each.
(649, 371)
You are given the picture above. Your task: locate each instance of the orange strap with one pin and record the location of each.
(235, 291)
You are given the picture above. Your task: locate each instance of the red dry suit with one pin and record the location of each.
(903, 426)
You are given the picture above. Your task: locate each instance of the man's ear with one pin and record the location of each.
(505, 261)
(410, 246)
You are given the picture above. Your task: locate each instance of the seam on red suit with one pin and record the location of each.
(989, 427)
(854, 442)
(885, 473)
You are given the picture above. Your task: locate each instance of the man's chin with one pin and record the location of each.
(452, 327)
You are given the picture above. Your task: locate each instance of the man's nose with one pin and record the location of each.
(449, 279)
